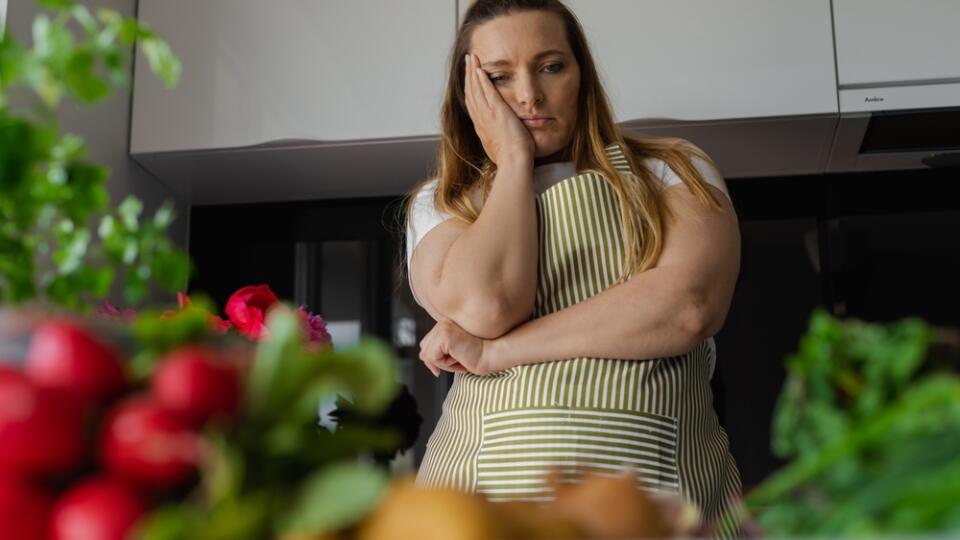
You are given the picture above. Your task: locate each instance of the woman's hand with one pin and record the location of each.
(450, 348)
(499, 128)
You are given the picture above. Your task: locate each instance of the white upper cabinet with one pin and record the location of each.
(884, 42)
(257, 71)
(709, 60)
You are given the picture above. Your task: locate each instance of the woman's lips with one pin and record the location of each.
(535, 122)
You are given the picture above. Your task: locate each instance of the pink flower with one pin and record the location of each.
(247, 307)
(110, 311)
(220, 326)
(315, 326)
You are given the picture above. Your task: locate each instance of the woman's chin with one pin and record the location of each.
(546, 149)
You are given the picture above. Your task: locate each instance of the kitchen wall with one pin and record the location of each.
(106, 126)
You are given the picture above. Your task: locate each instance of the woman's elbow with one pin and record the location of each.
(700, 320)
(490, 317)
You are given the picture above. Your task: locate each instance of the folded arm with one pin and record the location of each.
(483, 276)
(661, 312)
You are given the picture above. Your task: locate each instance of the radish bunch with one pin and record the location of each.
(84, 452)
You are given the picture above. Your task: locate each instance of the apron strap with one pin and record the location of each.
(615, 154)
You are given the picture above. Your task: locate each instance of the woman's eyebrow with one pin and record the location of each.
(495, 63)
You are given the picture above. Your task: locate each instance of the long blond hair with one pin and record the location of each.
(462, 164)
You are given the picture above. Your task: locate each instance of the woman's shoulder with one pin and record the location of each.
(669, 177)
(425, 190)
(424, 197)
(422, 204)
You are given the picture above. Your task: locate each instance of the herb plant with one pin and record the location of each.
(870, 417)
(60, 239)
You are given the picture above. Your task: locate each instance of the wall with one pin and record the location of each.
(106, 126)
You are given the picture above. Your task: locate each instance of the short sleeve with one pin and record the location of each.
(423, 218)
(670, 178)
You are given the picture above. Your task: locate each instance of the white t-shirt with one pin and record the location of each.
(424, 216)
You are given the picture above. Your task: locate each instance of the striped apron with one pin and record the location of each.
(500, 434)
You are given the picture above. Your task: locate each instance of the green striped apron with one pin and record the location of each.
(500, 434)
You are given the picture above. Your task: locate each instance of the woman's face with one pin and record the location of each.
(529, 61)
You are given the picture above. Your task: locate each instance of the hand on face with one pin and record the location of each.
(448, 347)
(500, 130)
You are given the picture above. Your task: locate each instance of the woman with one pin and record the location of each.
(576, 275)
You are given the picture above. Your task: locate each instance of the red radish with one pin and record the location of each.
(96, 509)
(41, 431)
(147, 444)
(62, 355)
(193, 383)
(23, 511)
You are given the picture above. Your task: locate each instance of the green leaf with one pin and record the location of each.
(164, 216)
(334, 498)
(41, 35)
(130, 250)
(168, 523)
(47, 86)
(367, 372)
(87, 193)
(13, 60)
(108, 227)
(129, 211)
(70, 255)
(86, 19)
(163, 332)
(223, 473)
(279, 371)
(56, 4)
(172, 268)
(82, 80)
(285, 375)
(116, 62)
(68, 148)
(162, 61)
(245, 518)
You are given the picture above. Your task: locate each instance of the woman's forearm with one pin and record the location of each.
(494, 261)
(653, 315)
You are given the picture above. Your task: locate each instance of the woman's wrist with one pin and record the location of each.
(494, 355)
(515, 160)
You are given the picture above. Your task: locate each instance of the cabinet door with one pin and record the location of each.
(708, 60)
(328, 70)
(891, 41)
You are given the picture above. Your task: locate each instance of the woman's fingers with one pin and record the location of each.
(427, 354)
(457, 368)
(429, 363)
(472, 93)
(468, 87)
(491, 97)
(451, 364)
(436, 349)
(480, 97)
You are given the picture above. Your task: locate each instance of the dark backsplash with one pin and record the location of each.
(877, 246)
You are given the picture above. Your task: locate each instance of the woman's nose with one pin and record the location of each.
(528, 91)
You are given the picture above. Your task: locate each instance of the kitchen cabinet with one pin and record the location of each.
(293, 71)
(305, 100)
(707, 60)
(894, 55)
(752, 82)
(888, 42)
